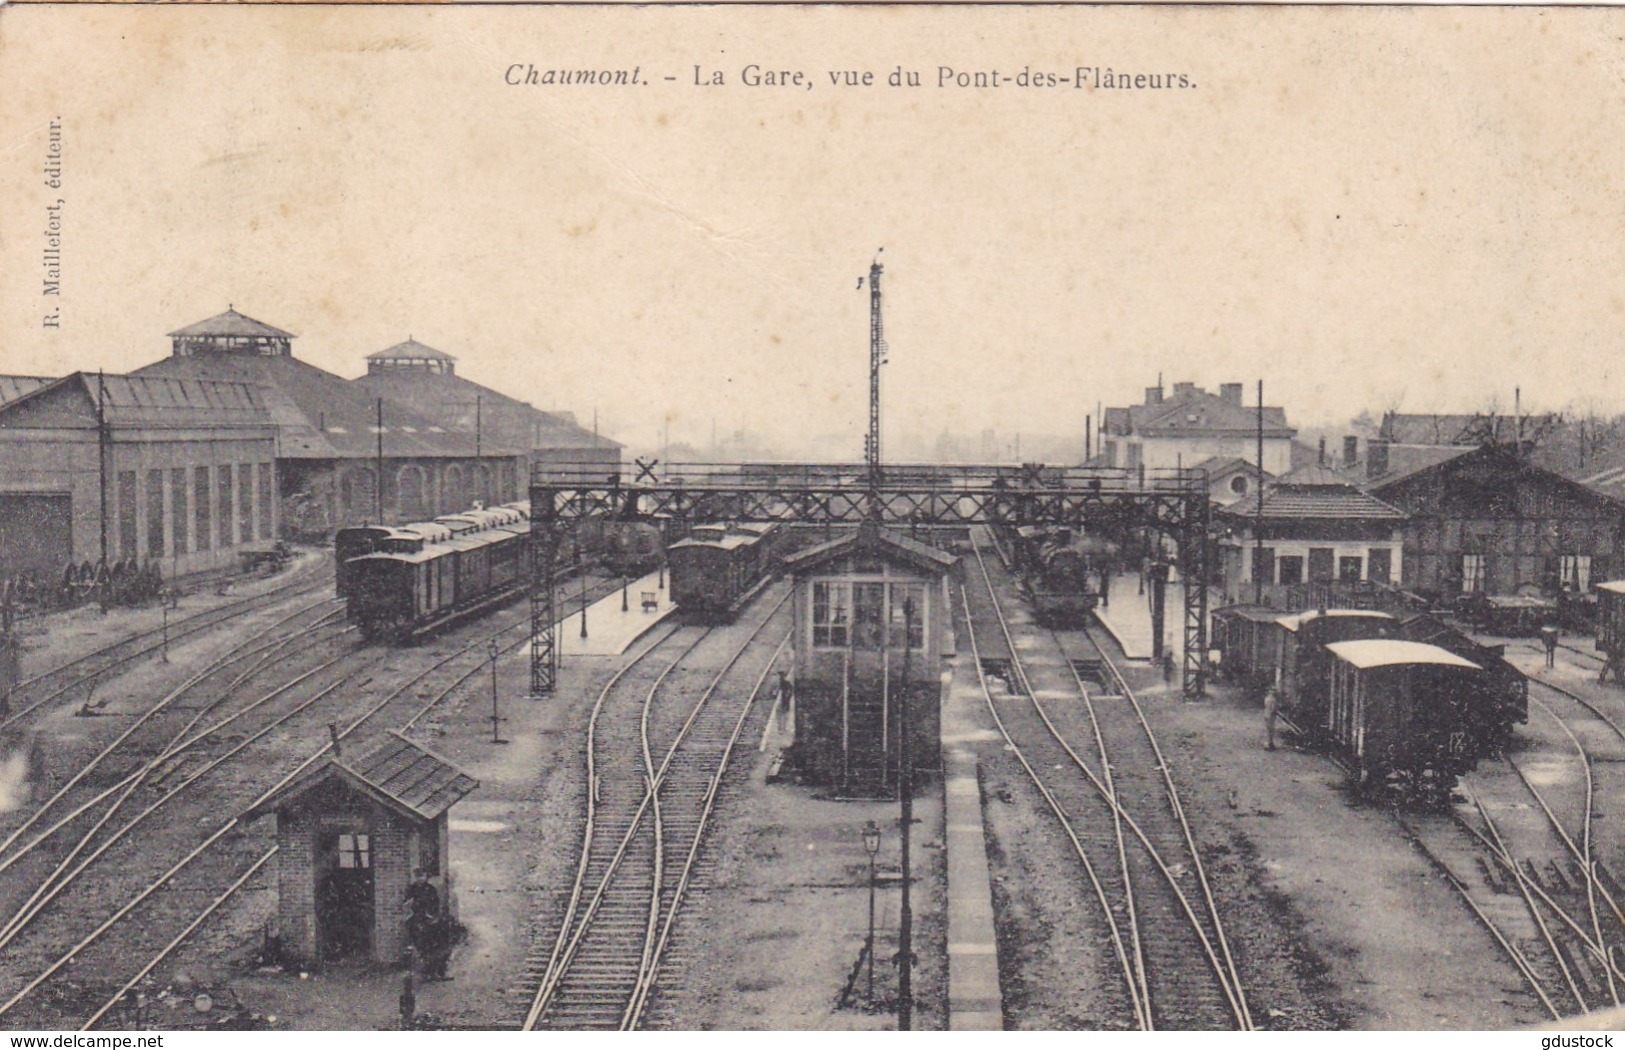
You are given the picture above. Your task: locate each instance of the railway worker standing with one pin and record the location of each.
(1548, 638)
(1272, 702)
(423, 921)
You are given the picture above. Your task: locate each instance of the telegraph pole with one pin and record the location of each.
(877, 357)
(378, 490)
(104, 440)
(905, 818)
(1258, 513)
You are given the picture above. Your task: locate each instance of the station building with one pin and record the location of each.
(1190, 425)
(350, 833)
(426, 380)
(861, 659)
(1314, 527)
(332, 436)
(177, 471)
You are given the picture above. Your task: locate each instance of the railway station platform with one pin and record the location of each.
(975, 998)
(610, 631)
(1128, 617)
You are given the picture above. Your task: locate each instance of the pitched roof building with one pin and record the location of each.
(351, 831)
(331, 434)
(1311, 526)
(426, 379)
(1190, 425)
(1486, 520)
(182, 466)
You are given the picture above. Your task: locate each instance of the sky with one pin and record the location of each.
(1366, 208)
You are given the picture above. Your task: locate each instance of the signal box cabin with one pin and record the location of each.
(351, 831)
(872, 628)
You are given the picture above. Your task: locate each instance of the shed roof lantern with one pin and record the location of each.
(412, 356)
(232, 332)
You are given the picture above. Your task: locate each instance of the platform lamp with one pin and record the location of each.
(583, 606)
(494, 651)
(871, 846)
(624, 606)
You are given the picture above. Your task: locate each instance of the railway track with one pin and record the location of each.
(1565, 938)
(654, 771)
(1123, 820)
(232, 844)
(75, 680)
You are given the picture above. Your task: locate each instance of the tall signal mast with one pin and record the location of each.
(877, 357)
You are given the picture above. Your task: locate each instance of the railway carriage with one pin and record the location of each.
(1404, 715)
(403, 583)
(1247, 638)
(1301, 667)
(1407, 703)
(411, 588)
(720, 568)
(1507, 702)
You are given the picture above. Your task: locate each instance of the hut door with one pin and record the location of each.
(344, 895)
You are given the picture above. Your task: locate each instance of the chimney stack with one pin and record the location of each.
(1351, 450)
(1184, 389)
(1153, 395)
(1376, 458)
(1231, 392)
(1320, 460)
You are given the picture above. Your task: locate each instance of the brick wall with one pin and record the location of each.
(296, 884)
(392, 872)
(330, 809)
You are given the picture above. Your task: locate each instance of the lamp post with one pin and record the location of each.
(163, 602)
(583, 606)
(624, 606)
(905, 821)
(871, 846)
(496, 717)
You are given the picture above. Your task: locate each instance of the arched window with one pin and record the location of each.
(410, 483)
(454, 498)
(482, 485)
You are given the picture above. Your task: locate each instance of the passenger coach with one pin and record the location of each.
(414, 579)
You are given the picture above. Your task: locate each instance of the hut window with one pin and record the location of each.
(1348, 568)
(1575, 572)
(355, 851)
(1472, 573)
(900, 593)
(868, 614)
(830, 617)
(1291, 568)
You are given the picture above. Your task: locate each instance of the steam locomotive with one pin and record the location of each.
(1062, 572)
